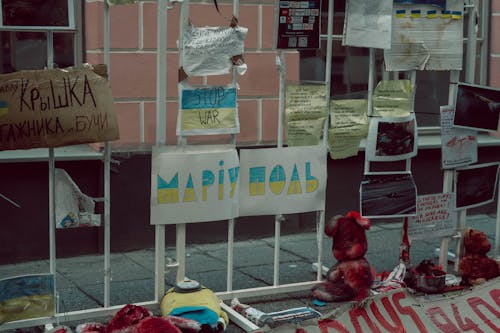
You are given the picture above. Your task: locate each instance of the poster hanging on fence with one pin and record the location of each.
(368, 24)
(194, 184)
(436, 217)
(208, 50)
(73, 207)
(388, 194)
(282, 180)
(475, 185)
(348, 125)
(426, 38)
(392, 138)
(52, 108)
(306, 109)
(26, 296)
(477, 107)
(298, 24)
(475, 309)
(393, 98)
(458, 145)
(207, 110)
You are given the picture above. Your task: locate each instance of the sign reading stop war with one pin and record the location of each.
(51, 108)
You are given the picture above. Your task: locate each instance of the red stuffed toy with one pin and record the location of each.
(351, 277)
(476, 267)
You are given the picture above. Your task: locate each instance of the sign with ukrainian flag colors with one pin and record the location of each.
(26, 296)
(207, 110)
(282, 180)
(194, 184)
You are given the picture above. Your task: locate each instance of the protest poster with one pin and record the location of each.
(207, 109)
(208, 50)
(304, 132)
(52, 108)
(436, 217)
(282, 180)
(194, 184)
(306, 110)
(393, 98)
(474, 309)
(477, 107)
(298, 24)
(424, 38)
(441, 4)
(388, 194)
(73, 207)
(348, 125)
(475, 185)
(368, 24)
(458, 145)
(392, 138)
(26, 296)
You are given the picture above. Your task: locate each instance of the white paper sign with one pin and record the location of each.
(436, 217)
(208, 50)
(282, 180)
(368, 24)
(424, 38)
(458, 145)
(194, 184)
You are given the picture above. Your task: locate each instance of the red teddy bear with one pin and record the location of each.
(351, 277)
(476, 267)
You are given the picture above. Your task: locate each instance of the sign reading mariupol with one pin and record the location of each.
(51, 108)
(194, 184)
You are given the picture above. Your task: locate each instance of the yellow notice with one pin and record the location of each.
(305, 102)
(393, 98)
(199, 119)
(348, 125)
(305, 132)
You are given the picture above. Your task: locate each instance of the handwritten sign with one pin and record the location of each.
(207, 110)
(194, 184)
(51, 108)
(436, 217)
(282, 180)
(208, 50)
(458, 145)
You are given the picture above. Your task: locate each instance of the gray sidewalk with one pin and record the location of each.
(80, 279)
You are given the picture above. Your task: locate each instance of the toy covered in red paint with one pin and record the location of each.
(476, 267)
(351, 277)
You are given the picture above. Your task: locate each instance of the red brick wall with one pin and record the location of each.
(133, 65)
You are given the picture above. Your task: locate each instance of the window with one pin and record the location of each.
(32, 31)
(349, 74)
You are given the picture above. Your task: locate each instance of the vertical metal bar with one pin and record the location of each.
(485, 38)
(107, 158)
(470, 69)
(161, 121)
(371, 84)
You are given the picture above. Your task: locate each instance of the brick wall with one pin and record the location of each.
(133, 65)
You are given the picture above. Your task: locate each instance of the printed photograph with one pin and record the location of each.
(476, 185)
(477, 107)
(388, 195)
(392, 139)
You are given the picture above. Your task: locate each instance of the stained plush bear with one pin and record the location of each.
(351, 277)
(476, 267)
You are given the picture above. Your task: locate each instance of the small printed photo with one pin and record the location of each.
(392, 139)
(388, 195)
(476, 185)
(477, 107)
